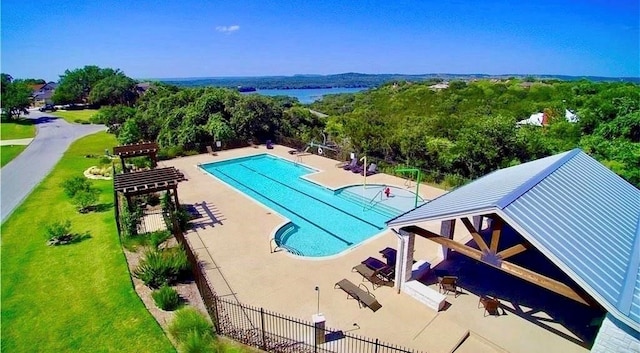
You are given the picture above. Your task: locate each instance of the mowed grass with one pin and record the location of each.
(75, 297)
(19, 129)
(8, 153)
(74, 116)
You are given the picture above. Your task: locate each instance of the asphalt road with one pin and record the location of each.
(21, 175)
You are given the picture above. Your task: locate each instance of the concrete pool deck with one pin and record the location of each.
(232, 240)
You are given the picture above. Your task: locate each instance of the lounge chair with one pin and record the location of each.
(390, 255)
(351, 165)
(381, 268)
(448, 284)
(211, 151)
(490, 305)
(373, 169)
(370, 275)
(364, 297)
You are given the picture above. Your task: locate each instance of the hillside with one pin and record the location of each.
(360, 80)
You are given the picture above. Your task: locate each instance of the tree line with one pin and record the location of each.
(453, 134)
(469, 129)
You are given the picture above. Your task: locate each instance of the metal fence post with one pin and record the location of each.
(264, 341)
(376, 347)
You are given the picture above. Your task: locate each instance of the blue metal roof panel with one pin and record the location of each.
(482, 193)
(586, 217)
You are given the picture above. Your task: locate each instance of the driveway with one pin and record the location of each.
(21, 175)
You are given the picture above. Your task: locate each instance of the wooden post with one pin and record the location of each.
(175, 197)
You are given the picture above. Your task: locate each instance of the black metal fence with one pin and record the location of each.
(270, 331)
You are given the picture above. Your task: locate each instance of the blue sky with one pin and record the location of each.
(162, 39)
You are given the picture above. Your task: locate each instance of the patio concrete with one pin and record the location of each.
(232, 240)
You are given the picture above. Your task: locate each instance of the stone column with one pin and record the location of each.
(447, 228)
(404, 259)
(319, 324)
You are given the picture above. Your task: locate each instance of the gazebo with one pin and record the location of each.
(149, 149)
(582, 217)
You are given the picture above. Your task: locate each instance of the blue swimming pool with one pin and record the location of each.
(323, 222)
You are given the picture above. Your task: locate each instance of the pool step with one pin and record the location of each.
(377, 207)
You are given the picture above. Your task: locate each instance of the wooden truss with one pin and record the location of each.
(490, 255)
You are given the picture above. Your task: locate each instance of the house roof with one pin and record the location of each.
(579, 214)
(539, 119)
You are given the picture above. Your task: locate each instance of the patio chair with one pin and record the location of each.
(370, 275)
(363, 296)
(211, 151)
(351, 165)
(387, 272)
(269, 144)
(490, 305)
(373, 169)
(448, 284)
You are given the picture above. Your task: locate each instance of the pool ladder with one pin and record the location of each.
(275, 247)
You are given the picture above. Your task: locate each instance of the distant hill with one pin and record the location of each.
(350, 80)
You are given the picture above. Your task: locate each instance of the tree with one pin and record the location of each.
(114, 89)
(16, 97)
(129, 132)
(75, 86)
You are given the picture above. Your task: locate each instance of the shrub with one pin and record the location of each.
(72, 185)
(104, 161)
(157, 238)
(183, 216)
(166, 298)
(84, 199)
(140, 162)
(188, 321)
(130, 220)
(153, 199)
(59, 233)
(195, 342)
(454, 180)
(160, 267)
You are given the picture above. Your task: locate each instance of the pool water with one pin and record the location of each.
(323, 222)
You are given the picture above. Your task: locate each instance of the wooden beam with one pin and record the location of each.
(496, 224)
(474, 233)
(450, 243)
(542, 281)
(514, 250)
(515, 270)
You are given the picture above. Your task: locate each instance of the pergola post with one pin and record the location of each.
(175, 198)
(154, 159)
(404, 258)
(124, 169)
(447, 228)
(128, 197)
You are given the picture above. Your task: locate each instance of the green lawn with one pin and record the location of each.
(76, 297)
(19, 129)
(75, 116)
(7, 153)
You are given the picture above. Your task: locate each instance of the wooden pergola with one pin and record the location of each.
(148, 181)
(149, 149)
(490, 255)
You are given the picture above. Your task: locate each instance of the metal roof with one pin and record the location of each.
(582, 216)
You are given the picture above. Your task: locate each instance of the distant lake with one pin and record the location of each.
(307, 95)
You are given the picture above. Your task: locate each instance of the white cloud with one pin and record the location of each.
(228, 29)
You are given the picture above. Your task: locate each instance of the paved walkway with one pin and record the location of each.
(21, 175)
(15, 142)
